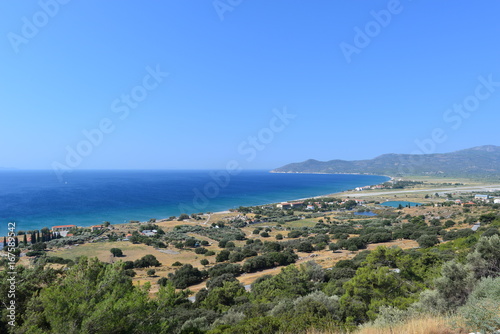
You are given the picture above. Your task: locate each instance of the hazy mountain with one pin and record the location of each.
(481, 161)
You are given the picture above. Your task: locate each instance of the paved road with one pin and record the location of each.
(453, 189)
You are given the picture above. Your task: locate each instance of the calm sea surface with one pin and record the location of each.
(34, 199)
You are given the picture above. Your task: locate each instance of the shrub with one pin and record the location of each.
(449, 223)
(230, 244)
(264, 235)
(204, 262)
(57, 259)
(224, 268)
(162, 281)
(490, 232)
(39, 246)
(209, 253)
(151, 272)
(117, 252)
(128, 265)
(481, 310)
(320, 246)
(222, 256)
(333, 247)
(352, 248)
(35, 253)
(147, 261)
(305, 246)
(269, 260)
(129, 272)
(426, 241)
(485, 260)
(176, 264)
(186, 276)
(236, 257)
(201, 250)
(279, 236)
(190, 242)
(183, 216)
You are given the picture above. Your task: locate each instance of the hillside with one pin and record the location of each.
(327, 271)
(476, 162)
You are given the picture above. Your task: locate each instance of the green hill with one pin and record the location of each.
(476, 162)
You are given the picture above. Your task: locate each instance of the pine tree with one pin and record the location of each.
(25, 240)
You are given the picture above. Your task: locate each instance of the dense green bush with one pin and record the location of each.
(147, 261)
(269, 260)
(186, 276)
(426, 241)
(224, 268)
(481, 312)
(201, 250)
(222, 256)
(294, 234)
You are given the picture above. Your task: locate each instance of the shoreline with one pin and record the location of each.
(349, 193)
(225, 210)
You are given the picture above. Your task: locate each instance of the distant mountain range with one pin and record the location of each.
(476, 162)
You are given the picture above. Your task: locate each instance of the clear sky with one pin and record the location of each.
(349, 79)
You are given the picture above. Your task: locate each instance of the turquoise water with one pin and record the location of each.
(395, 204)
(35, 199)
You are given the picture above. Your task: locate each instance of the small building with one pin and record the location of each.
(482, 197)
(149, 233)
(96, 228)
(62, 229)
(296, 204)
(310, 207)
(284, 206)
(496, 201)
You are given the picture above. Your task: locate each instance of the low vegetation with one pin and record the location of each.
(449, 284)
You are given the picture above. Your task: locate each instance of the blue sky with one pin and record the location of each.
(232, 66)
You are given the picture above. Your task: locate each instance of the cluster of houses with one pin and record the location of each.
(290, 205)
(481, 198)
(487, 199)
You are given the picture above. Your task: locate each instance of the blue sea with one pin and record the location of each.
(36, 199)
